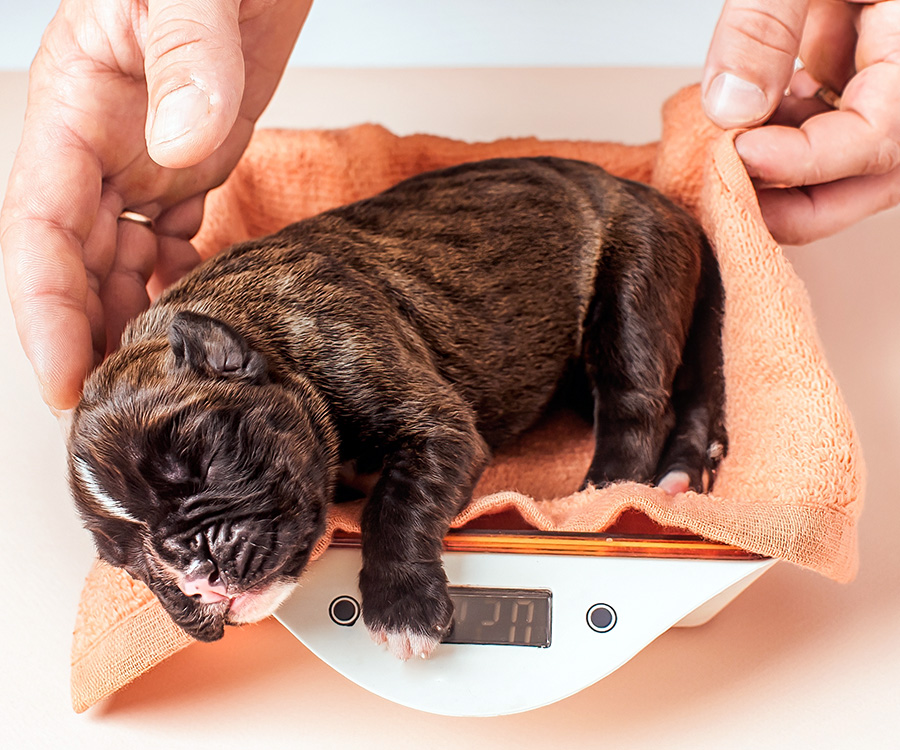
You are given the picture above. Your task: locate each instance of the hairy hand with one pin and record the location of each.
(131, 105)
(817, 169)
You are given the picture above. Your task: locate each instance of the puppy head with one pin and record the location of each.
(202, 475)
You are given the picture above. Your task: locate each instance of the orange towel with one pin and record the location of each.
(791, 486)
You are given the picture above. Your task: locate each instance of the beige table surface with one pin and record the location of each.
(795, 662)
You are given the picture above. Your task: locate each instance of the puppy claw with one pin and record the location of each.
(406, 644)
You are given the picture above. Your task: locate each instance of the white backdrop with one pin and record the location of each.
(459, 33)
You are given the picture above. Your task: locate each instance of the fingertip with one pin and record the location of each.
(194, 67)
(751, 59)
(170, 125)
(53, 312)
(730, 101)
(797, 216)
(772, 156)
(61, 382)
(59, 348)
(188, 125)
(59, 399)
(748, 152)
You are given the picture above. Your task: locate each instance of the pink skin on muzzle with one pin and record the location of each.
(210, 593)
(243, 607)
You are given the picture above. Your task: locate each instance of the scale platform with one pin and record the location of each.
(563, 609)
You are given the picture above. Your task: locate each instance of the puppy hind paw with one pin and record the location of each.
(675, 482)
(406, 644)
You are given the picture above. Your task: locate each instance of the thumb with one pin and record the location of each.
(751, 60)
(195, 78)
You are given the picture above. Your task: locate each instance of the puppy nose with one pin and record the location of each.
(210, 589)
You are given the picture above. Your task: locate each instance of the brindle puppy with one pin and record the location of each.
(411, 333)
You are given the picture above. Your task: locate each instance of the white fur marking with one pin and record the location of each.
(110, 505)
(675, 482)
(253, 607)
(405, 644)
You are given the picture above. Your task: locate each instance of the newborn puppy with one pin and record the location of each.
(410, 333)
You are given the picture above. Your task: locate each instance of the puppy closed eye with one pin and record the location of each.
(174, 471)
(186, 475)
(181, 453)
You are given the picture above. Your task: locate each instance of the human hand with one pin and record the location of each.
(92, 147)
(817, 169)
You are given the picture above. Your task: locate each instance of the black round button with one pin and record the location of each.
(601, 618)
(344, 610)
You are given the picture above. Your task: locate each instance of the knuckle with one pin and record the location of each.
(251, 9)
(879, 141)
(758, 30)
(885, 156)
(892, 194)
(183, 50)
(174, 41)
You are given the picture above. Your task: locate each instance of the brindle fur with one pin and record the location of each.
(412, 332)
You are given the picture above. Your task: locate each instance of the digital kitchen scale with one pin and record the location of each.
(564, 609)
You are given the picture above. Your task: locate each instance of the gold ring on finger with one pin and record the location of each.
(136, 218)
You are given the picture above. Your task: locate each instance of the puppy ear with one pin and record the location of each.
(109, 549)
(214, 349)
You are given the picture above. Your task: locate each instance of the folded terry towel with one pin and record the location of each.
(791, 486)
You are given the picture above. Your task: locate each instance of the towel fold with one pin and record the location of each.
(791, 486)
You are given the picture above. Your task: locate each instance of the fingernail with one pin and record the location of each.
(178, 112)
(733, 102)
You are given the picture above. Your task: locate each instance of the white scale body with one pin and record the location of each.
(639, 598)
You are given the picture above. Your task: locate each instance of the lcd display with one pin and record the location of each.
(500, 617)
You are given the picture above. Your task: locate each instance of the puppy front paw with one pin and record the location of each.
(406, 606)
